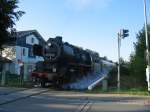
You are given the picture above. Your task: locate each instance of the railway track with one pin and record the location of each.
(33, 92)
(85, 107)
(7, 91)
(21, 94)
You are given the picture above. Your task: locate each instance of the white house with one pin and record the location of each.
(21, 52)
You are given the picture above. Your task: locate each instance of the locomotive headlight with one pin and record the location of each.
(54, 69)
(49, 44)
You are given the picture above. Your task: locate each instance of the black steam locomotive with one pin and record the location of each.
(63, 62)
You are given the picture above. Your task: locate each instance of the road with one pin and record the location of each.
(37, 100)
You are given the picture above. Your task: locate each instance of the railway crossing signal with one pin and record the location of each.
(124, 33)
(121, 35)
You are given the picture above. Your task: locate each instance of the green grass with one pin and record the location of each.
(133, 91)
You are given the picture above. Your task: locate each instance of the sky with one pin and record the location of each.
(91, 24)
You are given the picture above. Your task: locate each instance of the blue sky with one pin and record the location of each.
(91, 24)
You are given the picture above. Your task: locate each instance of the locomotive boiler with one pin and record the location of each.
(63, 62)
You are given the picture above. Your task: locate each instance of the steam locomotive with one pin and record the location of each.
(63, 62)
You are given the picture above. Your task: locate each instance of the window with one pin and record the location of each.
(32, 40)
(23, 52)
(31, 52)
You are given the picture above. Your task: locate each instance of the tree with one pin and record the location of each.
(8, 17)
(138, 60)
(9, 52)
(124, 75)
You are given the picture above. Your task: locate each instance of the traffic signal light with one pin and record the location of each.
(124, 33)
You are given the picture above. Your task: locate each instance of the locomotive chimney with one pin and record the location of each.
(59, 39)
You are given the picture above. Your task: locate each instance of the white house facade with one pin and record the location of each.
(21, 53)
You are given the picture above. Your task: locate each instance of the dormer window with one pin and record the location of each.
(32, 40)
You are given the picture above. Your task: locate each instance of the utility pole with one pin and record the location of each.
(119, 45)
(121, 35)
(147, 46)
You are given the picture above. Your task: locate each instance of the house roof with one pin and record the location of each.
(21, 34)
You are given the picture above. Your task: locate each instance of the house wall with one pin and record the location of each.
(31, 40)
(24, 52)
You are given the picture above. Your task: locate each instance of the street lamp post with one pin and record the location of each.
(147, 46)
(121, 35)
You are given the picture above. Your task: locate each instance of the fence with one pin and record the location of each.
(13, 80)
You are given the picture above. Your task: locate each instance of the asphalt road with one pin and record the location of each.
(63, 101)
